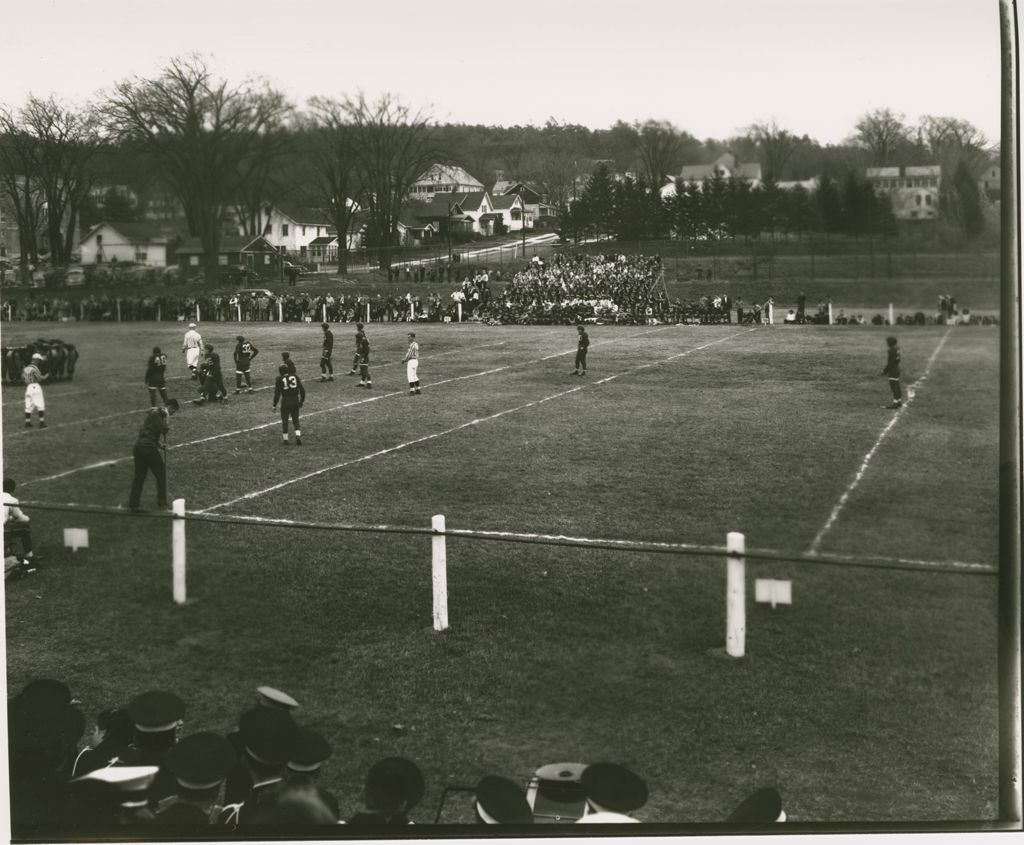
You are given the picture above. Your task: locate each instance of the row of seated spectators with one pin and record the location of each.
(577, 288)
(136, 770)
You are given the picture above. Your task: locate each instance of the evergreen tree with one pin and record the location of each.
(830, 208)
(968, 199)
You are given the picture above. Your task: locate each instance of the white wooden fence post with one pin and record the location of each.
(280, 311)
(238, 311)
(158, 312)
(830, 313)
(367, 313)
(323, 311)
(178, 545)
(81, 310)
(459, 304)
(735, 596)
(770, 309)
(439, 573)
(118, 303)
(892, 315)
(197, 312)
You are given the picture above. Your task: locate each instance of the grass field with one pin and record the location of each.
(871, 698)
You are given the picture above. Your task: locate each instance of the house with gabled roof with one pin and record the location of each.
(293, 228)
(914, 190)
(513, 214)
(444, 179)
(128, 242)
(538, 212)
(253, 252)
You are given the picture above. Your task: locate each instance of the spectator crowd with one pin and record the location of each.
(137, 768)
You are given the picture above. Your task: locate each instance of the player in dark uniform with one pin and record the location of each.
(288, 390)
(155, 367)
(892, 370)
(355, 358)
(147, 456)
(244, 353)
(326, 367)
(211, 380)
(582, 344)
(363, 353)
(286, 359)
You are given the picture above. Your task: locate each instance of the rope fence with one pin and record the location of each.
(734, 551)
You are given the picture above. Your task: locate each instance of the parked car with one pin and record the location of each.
(248, 292)
(74, 277)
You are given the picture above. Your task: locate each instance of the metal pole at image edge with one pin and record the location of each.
(1009, 622)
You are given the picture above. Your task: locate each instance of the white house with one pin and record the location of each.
(514, 217)
(914, 190)
(444, 179)
(294, 229)
(138, 243)
(725, 166)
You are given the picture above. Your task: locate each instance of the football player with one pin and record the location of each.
(326, 367)
(288, 390)
(244, 353)
(155, 367)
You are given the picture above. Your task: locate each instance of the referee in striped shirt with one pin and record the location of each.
(412, 364)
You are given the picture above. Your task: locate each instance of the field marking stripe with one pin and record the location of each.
(911, 391)
(115, 461)
(460, 427)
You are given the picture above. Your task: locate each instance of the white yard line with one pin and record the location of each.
(463, 426)
(911, 392)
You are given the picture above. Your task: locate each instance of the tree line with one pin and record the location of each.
(224, 151)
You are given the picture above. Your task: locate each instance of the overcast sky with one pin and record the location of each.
(709, 67)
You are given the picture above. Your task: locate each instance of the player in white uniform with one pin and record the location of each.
(412, 364)
(193, 348)
(34, 378)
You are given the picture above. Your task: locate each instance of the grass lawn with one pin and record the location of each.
(872, 698)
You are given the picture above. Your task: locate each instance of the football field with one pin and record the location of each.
(871, 698)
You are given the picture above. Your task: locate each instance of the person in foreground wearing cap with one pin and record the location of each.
(763, 807)
(326, 367)
(192, 347)
(147, 454)
(43, 729)
(268, 737)
(199, 765)
(500, 801)
(110, 743)
(394, 786)
(244, 353)
(239, 781)
(34, 377)
(610, 787)
(117, 795)
(157, 716)
(310, 754)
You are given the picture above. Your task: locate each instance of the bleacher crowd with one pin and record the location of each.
(137, 771)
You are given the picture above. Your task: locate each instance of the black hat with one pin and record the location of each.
(359, 326)
(156, 711)
(200, 761)
(239, 337)
(323, 325)
(393, 784)
(311, 752)
(610, 786)
(37, 724)
(46, 691)
(268, 735)
(763, 807)
(500, 801)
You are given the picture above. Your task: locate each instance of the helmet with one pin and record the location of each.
(37, 357)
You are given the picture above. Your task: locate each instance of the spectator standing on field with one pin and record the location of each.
(326, 367)
(892, 370)
(582, 345)
(412, 363)
(288, 390)
(34, 401)
(155, 367)
(192, 347)
(152, 437)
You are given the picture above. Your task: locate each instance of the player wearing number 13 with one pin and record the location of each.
(288, 390)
